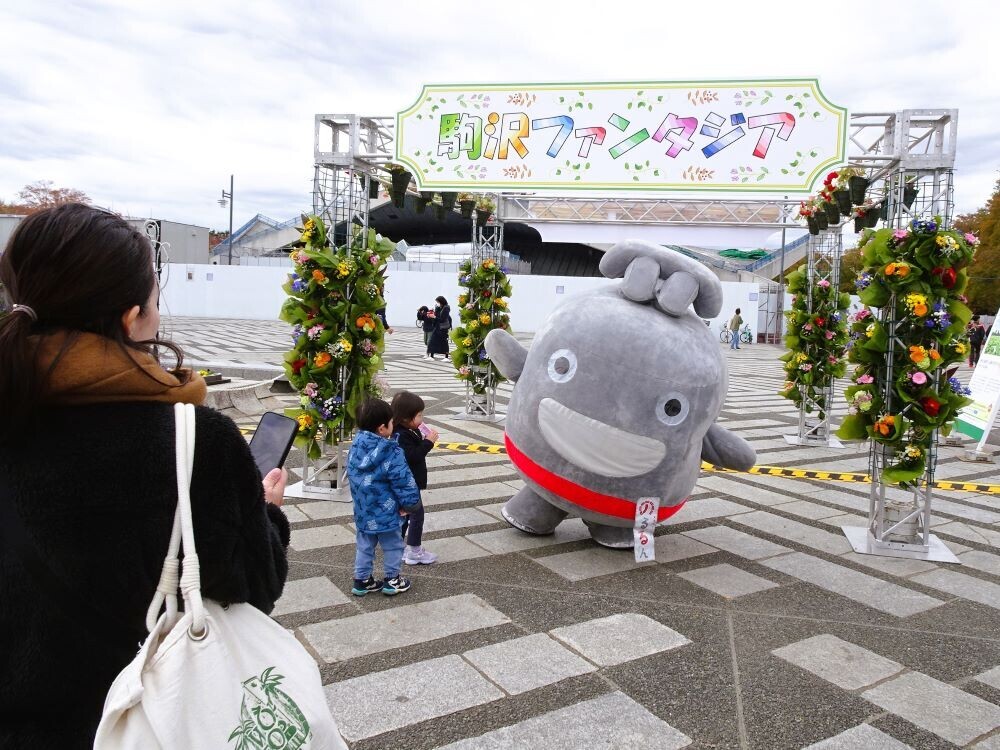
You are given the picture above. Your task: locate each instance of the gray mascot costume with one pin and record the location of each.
(617, 398)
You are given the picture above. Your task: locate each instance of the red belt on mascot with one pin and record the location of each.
(607, 505)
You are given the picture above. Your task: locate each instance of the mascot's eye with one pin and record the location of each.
(562, 366)
(672, 409)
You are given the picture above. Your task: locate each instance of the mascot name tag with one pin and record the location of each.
(645, 522)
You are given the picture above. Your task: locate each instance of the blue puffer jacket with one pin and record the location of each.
(381, 483)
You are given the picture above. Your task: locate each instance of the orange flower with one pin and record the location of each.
(366, 322)
(897, 269)
(885, 425)
(934, 354)
(318, 276)
(322, 359)
(917, 354)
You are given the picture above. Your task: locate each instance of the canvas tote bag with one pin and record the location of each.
(212, 676)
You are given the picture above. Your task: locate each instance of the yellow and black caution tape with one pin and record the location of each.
(769, 471)
(473, 448)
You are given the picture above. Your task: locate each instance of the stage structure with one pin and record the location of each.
(900, 152)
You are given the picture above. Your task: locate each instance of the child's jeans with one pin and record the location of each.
(392, 553)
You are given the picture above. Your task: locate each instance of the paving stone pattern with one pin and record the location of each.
(757, 626)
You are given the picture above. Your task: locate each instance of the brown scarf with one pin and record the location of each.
(95, 370)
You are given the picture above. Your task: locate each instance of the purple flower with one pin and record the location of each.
(298, 285)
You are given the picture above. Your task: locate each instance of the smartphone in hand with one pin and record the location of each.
(272, 441)
(424, 429)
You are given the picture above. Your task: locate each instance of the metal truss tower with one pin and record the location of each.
(909, 158)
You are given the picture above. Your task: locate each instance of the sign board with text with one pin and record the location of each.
(976, 420)
(730, 136)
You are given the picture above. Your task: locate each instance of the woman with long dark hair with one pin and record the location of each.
(438, 343)
(88, 479)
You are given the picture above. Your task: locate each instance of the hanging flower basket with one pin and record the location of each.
(822, 220)
(372, 185)
(857, 186)
(859, 223)
(812, 224)
(872, 217)
(467, 207)
(439, 211)
(909, 195)
(422, 201)
(448, 200)
(832, 213)
(482, 217)
(843, 198)
(400, 181)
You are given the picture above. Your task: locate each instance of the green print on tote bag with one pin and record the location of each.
(269, 718)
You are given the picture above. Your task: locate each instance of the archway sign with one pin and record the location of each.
(770, 136)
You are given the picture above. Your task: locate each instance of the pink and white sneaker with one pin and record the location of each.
(418, 556)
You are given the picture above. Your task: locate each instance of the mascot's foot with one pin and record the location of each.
(529, 512)
(615, 537)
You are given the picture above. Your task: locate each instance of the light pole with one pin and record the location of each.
(228, 197)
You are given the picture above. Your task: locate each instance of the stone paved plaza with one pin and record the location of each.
(756, 627)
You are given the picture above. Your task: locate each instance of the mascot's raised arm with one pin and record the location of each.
(617, 398)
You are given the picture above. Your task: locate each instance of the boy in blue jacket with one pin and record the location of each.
(382, 487)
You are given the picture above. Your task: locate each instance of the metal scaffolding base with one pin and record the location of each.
(866, 544)
(317, 480)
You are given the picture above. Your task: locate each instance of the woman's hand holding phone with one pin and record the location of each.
(274, 486)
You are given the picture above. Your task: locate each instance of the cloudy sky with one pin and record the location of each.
(148, 107)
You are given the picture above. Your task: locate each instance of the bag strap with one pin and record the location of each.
(63, 597)
(185, 571)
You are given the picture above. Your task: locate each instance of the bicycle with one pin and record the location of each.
(726, 335)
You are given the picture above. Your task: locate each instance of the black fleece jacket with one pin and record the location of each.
(415, 447)
(95, 488)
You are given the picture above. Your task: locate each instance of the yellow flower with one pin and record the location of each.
(305, 422)
(462, 299)
(941, 240)
(473, 325)
(488, 263)
(484, 319)
(500, 302)
(467, 341)
(960, 348)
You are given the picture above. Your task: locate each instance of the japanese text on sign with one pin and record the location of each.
(741, 135)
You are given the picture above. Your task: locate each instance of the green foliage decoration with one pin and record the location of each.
(333, 296)
(916, 277)
(816, 340)
(483, 307)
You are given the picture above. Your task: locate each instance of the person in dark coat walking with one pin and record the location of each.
(88, 479)
(438, 343)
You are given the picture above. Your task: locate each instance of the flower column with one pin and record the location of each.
(904, 391)
(482, 307)
(817, 337)
(337, 341)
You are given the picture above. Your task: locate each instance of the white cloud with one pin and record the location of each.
(149, 107)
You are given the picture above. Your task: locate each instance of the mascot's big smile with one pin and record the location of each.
(596, 446)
